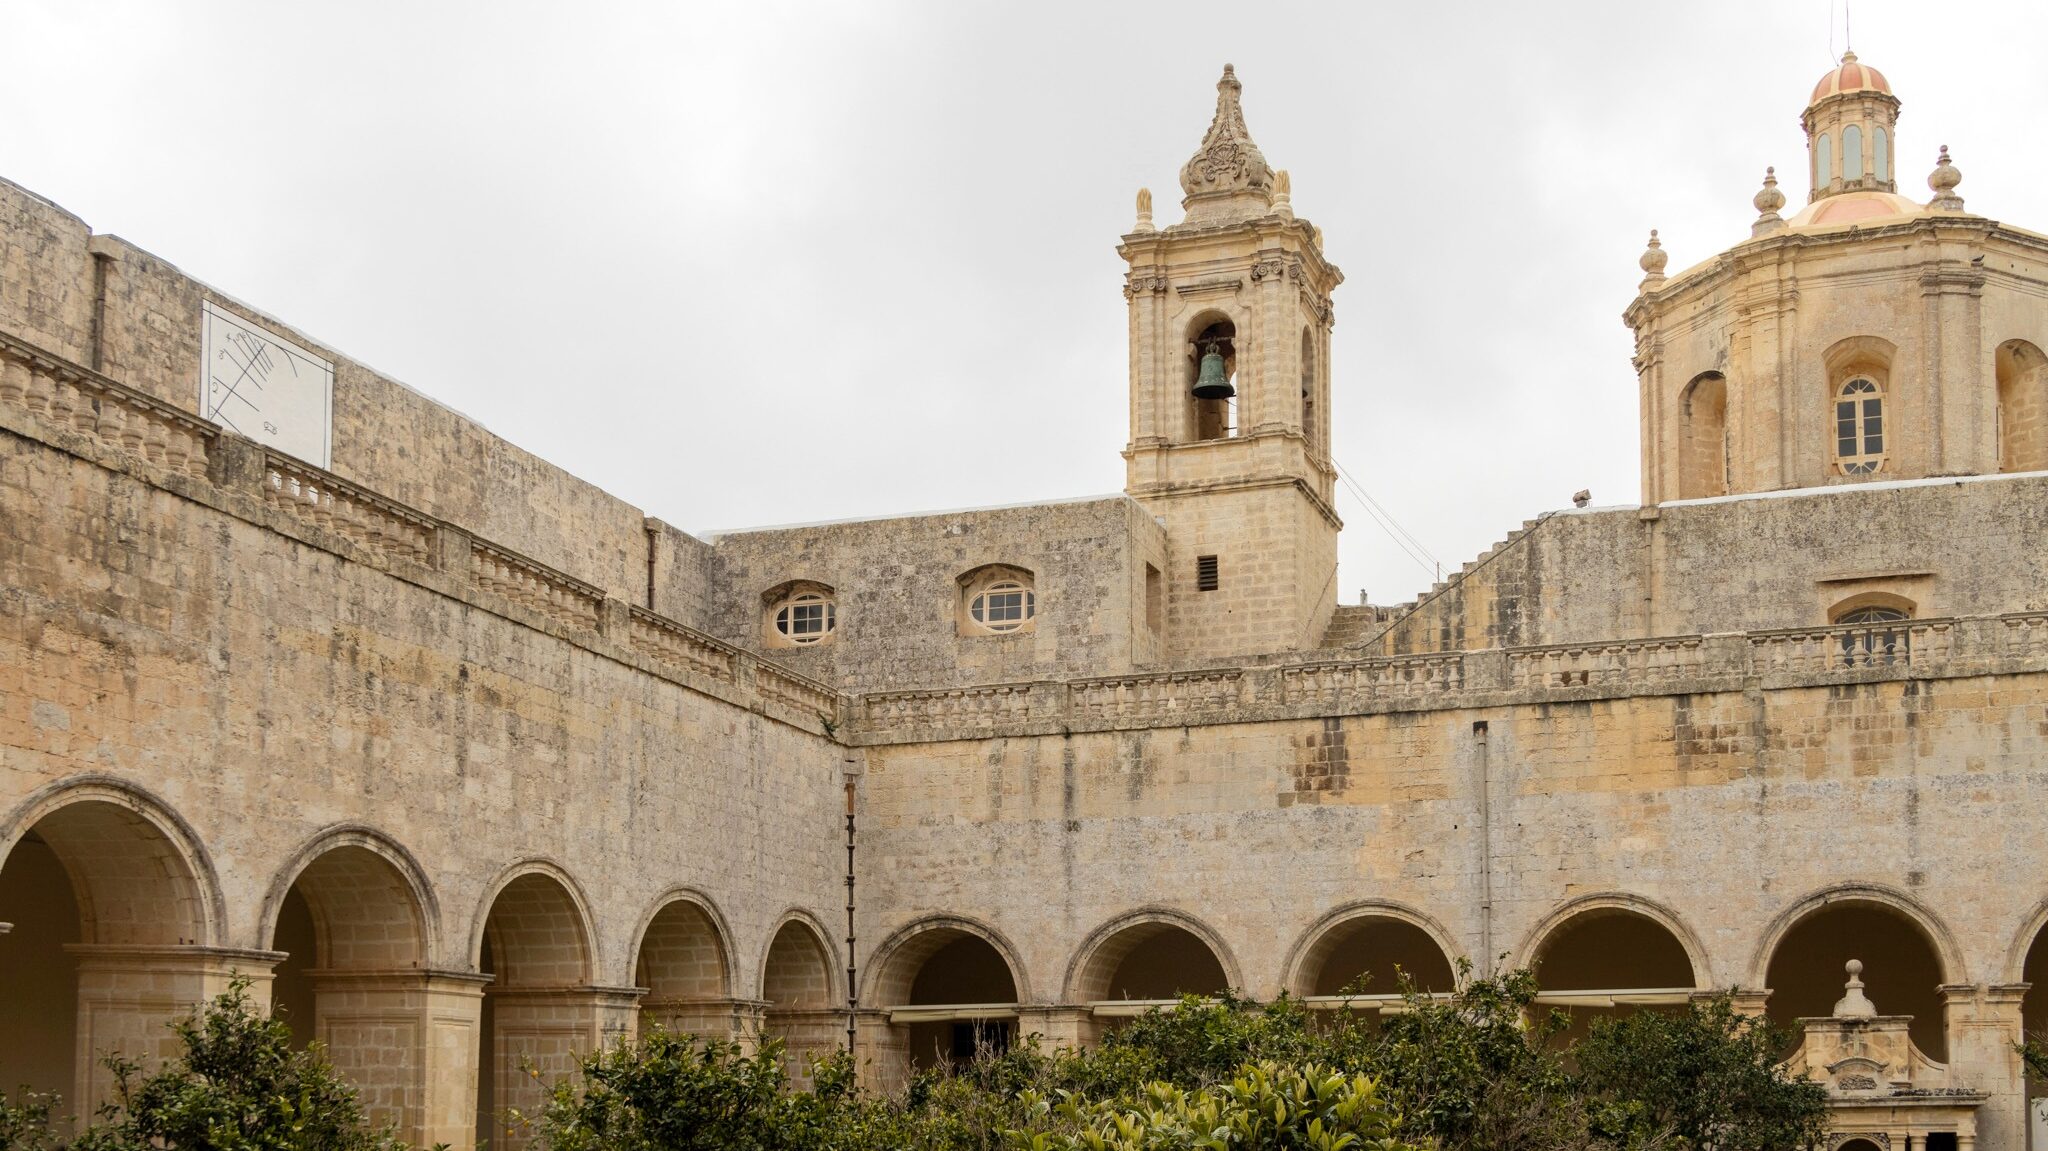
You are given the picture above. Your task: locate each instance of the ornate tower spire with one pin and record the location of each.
(1227, 178)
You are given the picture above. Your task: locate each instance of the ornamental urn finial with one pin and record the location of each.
(1767, 202)
(1653, 261)
(1854, 1004)
(1943, 180)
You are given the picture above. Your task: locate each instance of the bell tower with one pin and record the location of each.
(1230, 323)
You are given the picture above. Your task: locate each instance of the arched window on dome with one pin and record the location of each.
(1703, 442)
(1859, 427)
(1859, 378)
(1823, 163)
(2022, 377)
(1852, 154)
(1881, 162)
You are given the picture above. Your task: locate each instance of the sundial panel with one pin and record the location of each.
(265, 387)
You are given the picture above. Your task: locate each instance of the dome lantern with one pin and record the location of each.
(1850, 124)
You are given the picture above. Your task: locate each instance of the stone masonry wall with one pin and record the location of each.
(1974, 546)
(899, 596)
(266, 688)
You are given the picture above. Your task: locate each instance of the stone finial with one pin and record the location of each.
(1767, 202)
(1943, 180)
(1145, 211)
(1582, 497)
(1854, 1004)
(1228, 168)
(1653, 261)
(1283, 194)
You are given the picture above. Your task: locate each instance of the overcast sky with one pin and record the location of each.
(752, 264)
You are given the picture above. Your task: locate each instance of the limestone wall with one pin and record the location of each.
(101, 302)
(267, 679)
(1974, 546)
(900, 601)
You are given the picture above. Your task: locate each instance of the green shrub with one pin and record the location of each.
(238, 1085)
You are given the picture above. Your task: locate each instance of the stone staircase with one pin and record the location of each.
(1353, 624)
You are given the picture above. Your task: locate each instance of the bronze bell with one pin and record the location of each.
(1212, 384)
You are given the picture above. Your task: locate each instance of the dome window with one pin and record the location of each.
(1859, 428)
(1881, 155)
(1824, 163)
(1852, 153)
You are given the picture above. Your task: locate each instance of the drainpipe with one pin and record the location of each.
(852, 777)
(1485, 853)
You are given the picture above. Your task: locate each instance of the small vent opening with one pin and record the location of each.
(1205, 573)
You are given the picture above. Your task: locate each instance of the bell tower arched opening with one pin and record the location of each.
(1213, 398)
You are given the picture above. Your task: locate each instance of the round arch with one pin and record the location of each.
(402, 865)
(1095, 961)
(1947, 954)
(1303, 963)
(706, 907)
(573, 901)
(812, 927)
(894, 965)
(129, 855)
(1601, 903)
(2031, 926)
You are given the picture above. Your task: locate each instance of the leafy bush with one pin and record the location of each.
(1482, 1070)
(238, 1086)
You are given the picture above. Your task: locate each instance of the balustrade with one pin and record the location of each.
(343, 508)
(669, 642)
(80, 401)
(1649, 662)
(567, 601)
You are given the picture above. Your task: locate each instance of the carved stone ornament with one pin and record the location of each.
(1856, 1083)
(1265, 268)
(1227, 161)
(1140, 283)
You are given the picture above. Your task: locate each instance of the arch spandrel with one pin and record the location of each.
(893, 966)
(1947, 953)
(1095, 961)
(1566, 914)
(139, 871)
(404, 889)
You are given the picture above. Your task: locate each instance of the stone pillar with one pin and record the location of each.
(1984, 1026)
(735, 1020)
(408, 1041)
(538, 1034)
(1056, 1026)
(883, 1052)
(805, 1035)
(128, 995)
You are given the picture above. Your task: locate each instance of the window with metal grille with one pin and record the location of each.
(1205, 573)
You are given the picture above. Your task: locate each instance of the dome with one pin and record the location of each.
(1850, 76)
(1864, 209)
